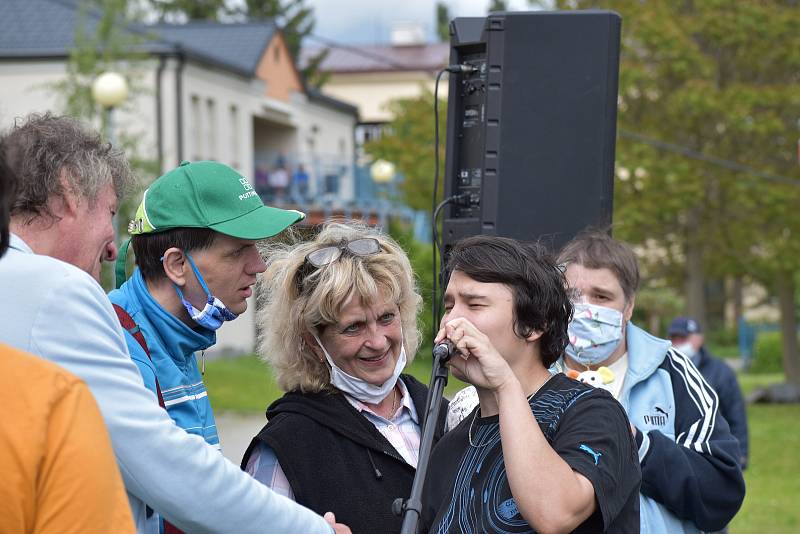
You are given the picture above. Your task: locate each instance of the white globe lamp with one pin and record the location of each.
(110, 89)
(382, 171)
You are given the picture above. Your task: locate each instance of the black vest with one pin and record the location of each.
(336, 460)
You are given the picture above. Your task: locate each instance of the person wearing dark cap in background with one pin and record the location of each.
(687, 336)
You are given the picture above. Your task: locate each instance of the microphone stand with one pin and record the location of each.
(411, 508)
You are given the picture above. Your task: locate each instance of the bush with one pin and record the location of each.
(768, 353)
(723, 337)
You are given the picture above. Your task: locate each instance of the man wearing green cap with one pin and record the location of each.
(194, 239)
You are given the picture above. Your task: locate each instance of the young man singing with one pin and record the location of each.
(541, 453)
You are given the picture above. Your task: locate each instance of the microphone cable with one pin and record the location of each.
(436, 208)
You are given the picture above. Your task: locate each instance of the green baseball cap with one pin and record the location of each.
(205, 194)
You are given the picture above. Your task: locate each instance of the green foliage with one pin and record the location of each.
(708, 76)
(443, 22)
(498, 5)
(112, 47)
(240, 384)
(723, 337)
(421, 257)
(772, 484)
(246, 384)
(771, 477)
(657, 303)
(408, 142)
(191, 9)
(767, 353)
(723, 343)
(297, 22)
(295, 18)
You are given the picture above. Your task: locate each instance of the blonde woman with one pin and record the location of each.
(339, 320)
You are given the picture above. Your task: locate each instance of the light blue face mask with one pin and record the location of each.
(595, 332)
(214, 313)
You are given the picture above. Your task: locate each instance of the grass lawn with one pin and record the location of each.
(246, 384)
(773, 478)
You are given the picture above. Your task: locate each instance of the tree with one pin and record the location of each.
(168, 10)
(408, 142)
(297, 22)
(497, 5)
(443, 22)
(110, 48)
(717, 82)
(295, 18)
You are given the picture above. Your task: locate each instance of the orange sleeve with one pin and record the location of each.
(79, 489)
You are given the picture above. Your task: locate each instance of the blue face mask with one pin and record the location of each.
(595, 332)
(214, 313)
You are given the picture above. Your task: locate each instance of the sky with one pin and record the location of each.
(370, 21)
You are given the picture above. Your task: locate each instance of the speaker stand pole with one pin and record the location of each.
(411, 508)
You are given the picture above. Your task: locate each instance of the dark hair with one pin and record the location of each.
(150, 248)
(7, 187)
(598, 250)
(541, 303)
(43, 149)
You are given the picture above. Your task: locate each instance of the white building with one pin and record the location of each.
(227, 92)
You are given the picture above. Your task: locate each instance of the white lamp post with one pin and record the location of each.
(382, 173)
(110, 90)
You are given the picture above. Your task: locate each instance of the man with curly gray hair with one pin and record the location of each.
(339, 326)
(70, 184)
(61, 230)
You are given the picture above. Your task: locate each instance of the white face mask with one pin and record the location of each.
(687, 349)
(595, 332)
(361, 389)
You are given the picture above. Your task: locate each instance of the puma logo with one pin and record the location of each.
(595, 455)
(659, 419)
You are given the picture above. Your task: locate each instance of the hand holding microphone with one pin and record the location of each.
(479, 363)
(444, 350)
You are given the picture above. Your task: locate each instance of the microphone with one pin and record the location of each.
(444, 350)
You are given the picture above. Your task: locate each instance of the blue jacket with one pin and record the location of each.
(691, 480)
(172, 347)
(731, 404)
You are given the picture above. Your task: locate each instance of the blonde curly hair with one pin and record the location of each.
(295, 299)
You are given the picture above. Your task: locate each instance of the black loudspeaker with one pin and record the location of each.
(531, 131)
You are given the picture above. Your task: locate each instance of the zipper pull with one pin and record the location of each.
(202, 363)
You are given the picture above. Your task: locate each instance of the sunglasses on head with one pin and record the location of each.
(366, 246)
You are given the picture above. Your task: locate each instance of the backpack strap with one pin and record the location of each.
(133, 329)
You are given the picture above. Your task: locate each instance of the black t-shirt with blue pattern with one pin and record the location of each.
(467, 488)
